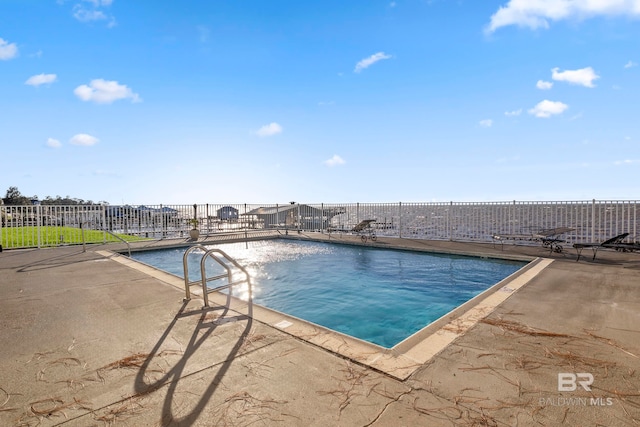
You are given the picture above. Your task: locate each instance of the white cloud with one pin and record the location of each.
(7, 50)
(86, 15)
(93, 13)
(626, 162)
(84, 140)
(334, 161)
(269, 130)
(105, 92)
(546, 108)
(487, 123)
(542, 85)
(537, 13)
(367, 62)
(583, 76)
(630, 64)
(53, 143)
(513, 113)
(41, 79)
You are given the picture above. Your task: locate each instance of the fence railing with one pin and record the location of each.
(51, 225)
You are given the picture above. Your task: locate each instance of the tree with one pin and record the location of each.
(14, 197)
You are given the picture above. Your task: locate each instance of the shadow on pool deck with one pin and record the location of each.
(89, 341)
(177, 372)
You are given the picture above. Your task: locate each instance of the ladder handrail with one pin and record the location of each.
(212, 253)
(185, 267)
(109, 232)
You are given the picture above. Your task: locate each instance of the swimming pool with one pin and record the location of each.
(378, 295)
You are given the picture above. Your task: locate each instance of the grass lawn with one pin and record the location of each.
(21, 237)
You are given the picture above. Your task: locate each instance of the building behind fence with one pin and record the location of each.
(47, 225)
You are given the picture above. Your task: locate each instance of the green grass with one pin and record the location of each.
(21, 237)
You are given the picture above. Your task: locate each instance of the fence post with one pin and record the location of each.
(162, 224)
(84, 244)
(400, 220)
(511, 218)
(103, 221)
(593, 220)
(450, 227)
(38, 223)
(208, 222)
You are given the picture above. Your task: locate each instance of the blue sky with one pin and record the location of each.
(146, 102)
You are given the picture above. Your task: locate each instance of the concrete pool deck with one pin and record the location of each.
(86, 340)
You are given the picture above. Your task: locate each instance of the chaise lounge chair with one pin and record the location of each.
(625, 247)
(611, 243)
(363, 228)
(550, 238)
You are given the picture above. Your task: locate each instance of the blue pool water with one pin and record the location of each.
(378, 295)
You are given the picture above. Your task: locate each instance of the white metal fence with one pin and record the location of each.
(49, 225)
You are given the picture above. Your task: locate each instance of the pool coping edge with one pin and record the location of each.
(400, 361)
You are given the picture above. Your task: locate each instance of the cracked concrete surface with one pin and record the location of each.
(87, 341)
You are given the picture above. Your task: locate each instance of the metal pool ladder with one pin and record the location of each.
(224, 260)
